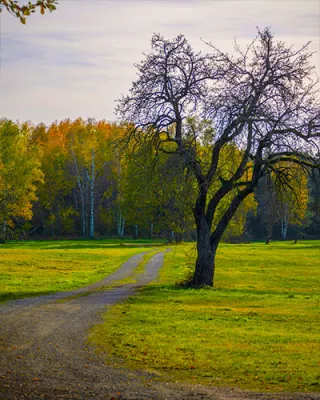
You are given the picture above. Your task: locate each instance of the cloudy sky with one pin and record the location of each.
(78, 60)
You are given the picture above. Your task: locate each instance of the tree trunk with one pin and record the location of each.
(178, 237)
(205, 265)
(81, 186)
(204, 271)
(83, 218)
(284, 227)
(43, 223)
(52, 228)
(58, 220)
(151, 230)
(91, 227)
(269, 229)
(4, 229)
(207, 242)
(120, 221)
(136, 231)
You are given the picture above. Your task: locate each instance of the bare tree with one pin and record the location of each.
(263, 100)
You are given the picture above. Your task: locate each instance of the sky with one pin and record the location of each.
(76, 61)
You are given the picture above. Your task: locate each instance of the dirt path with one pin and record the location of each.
(44, 355)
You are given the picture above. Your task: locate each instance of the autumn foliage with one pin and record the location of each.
(76, 178)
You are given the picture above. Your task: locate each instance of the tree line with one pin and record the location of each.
(78, 179)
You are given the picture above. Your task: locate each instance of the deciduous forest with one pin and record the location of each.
(78, 179)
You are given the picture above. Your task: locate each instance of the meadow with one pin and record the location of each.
(257, 329)
(31, 268)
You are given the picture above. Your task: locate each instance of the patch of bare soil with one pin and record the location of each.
(44, 353)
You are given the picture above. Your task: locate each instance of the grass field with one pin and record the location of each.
(257, 329)
(40, 267)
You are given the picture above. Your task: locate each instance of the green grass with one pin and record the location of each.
(33, 268)
(132, 278)
(258, 329)
(136, 273)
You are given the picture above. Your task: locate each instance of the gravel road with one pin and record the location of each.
(44, 353)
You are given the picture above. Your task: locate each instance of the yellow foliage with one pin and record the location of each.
(292, 191)
(19, 173)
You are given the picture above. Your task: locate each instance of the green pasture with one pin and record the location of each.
(257, 329)
(33, 268)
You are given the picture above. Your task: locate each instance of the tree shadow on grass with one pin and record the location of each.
(168, 292)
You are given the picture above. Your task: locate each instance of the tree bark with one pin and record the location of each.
(136, 231)
(204, 271)
(82, 195)
(4, 229)
(207, 242)
(120, 221)
(92, 182)
(284, 227)
(52, 227)
(151, 230)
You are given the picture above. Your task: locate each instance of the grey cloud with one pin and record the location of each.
(86, 50)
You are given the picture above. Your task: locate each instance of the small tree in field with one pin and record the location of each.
(261, 101)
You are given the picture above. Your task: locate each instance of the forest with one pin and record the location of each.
(81, 178)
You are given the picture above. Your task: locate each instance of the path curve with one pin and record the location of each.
(44, 353)
(125, 270)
